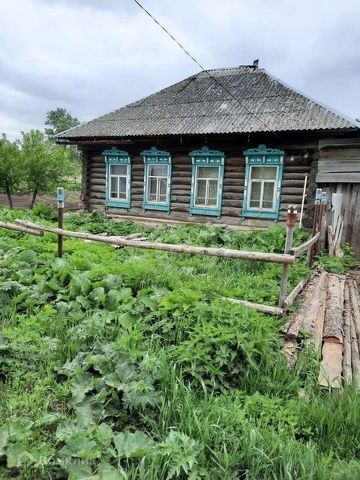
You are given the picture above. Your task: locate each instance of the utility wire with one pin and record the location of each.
(203, 68)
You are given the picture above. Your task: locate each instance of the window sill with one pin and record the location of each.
(260, 214)
(117, 203)
(156, 206)
(205, 211)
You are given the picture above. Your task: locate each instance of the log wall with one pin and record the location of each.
(295, 169)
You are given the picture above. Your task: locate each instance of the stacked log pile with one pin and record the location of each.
(329, 316)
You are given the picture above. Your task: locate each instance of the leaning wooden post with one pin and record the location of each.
(290, 223)
(311, 251)
(60, 197)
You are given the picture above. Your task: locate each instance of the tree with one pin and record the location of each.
(10, 168)
(59, 120)
(45, 163)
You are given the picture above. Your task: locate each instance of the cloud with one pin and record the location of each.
(93, 56)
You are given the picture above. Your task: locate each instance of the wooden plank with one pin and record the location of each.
(339, 166)
(338, 177)
(331, 365)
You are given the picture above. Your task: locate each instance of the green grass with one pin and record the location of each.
(128, 364)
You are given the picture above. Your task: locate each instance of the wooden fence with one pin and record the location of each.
(286, 259)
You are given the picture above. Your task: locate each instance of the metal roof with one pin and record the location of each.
(199, 105)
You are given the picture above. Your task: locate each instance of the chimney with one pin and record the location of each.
(256, 63)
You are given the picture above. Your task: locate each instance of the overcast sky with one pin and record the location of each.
(93, 56)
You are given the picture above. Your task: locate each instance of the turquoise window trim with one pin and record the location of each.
(156, 157)
(263, 156)
(206, 158)
(113, 156)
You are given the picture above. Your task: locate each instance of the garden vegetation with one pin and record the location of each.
(126, 364)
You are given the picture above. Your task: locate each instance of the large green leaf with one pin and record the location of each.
(80, 386)
(133, 445)
(82, 447)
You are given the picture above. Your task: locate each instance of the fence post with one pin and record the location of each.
(290, 223)
(311, 251)
(60, 197)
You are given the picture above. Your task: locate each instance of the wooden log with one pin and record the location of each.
(355, 308)
(257, 306)
(347, 374)
(319, 313)
(21, 228)
(331, 365)
(333, 331)
(355, 358)
(316, 306)
(305, 246)
(289, 300)
(191, 250)
(298, 317)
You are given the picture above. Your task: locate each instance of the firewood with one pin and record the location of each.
(333, 331)
(331, 365)
(347, 374)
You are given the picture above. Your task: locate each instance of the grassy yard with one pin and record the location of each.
(125, 364)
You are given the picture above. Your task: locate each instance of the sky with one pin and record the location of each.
(94, 56)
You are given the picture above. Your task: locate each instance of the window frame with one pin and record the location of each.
(206, 158)
(113, 156)
(262, 157)
(155, 157)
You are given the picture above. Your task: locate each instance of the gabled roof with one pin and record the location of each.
(199, 105)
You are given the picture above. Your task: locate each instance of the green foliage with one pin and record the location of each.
(59, 120)
(10, 167)
(44, 211)
(340, 264)
(45, 164)
(127, 364)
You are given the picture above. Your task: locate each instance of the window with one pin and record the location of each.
(263, 175)
(157, 178)
(118, 178)
(207, 182)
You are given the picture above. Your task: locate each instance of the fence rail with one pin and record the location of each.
(286, 259)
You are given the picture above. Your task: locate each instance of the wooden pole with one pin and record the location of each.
(303, 202)
(290, 222)
(257, 306)
(305, 246)
(60, 204)
(191, 250)
(347, 374)
(20, 228)
(311, 251)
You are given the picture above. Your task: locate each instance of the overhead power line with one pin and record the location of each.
(204, 69)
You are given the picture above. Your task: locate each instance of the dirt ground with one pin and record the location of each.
(23, 200)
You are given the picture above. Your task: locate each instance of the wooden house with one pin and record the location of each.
(229, 146)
